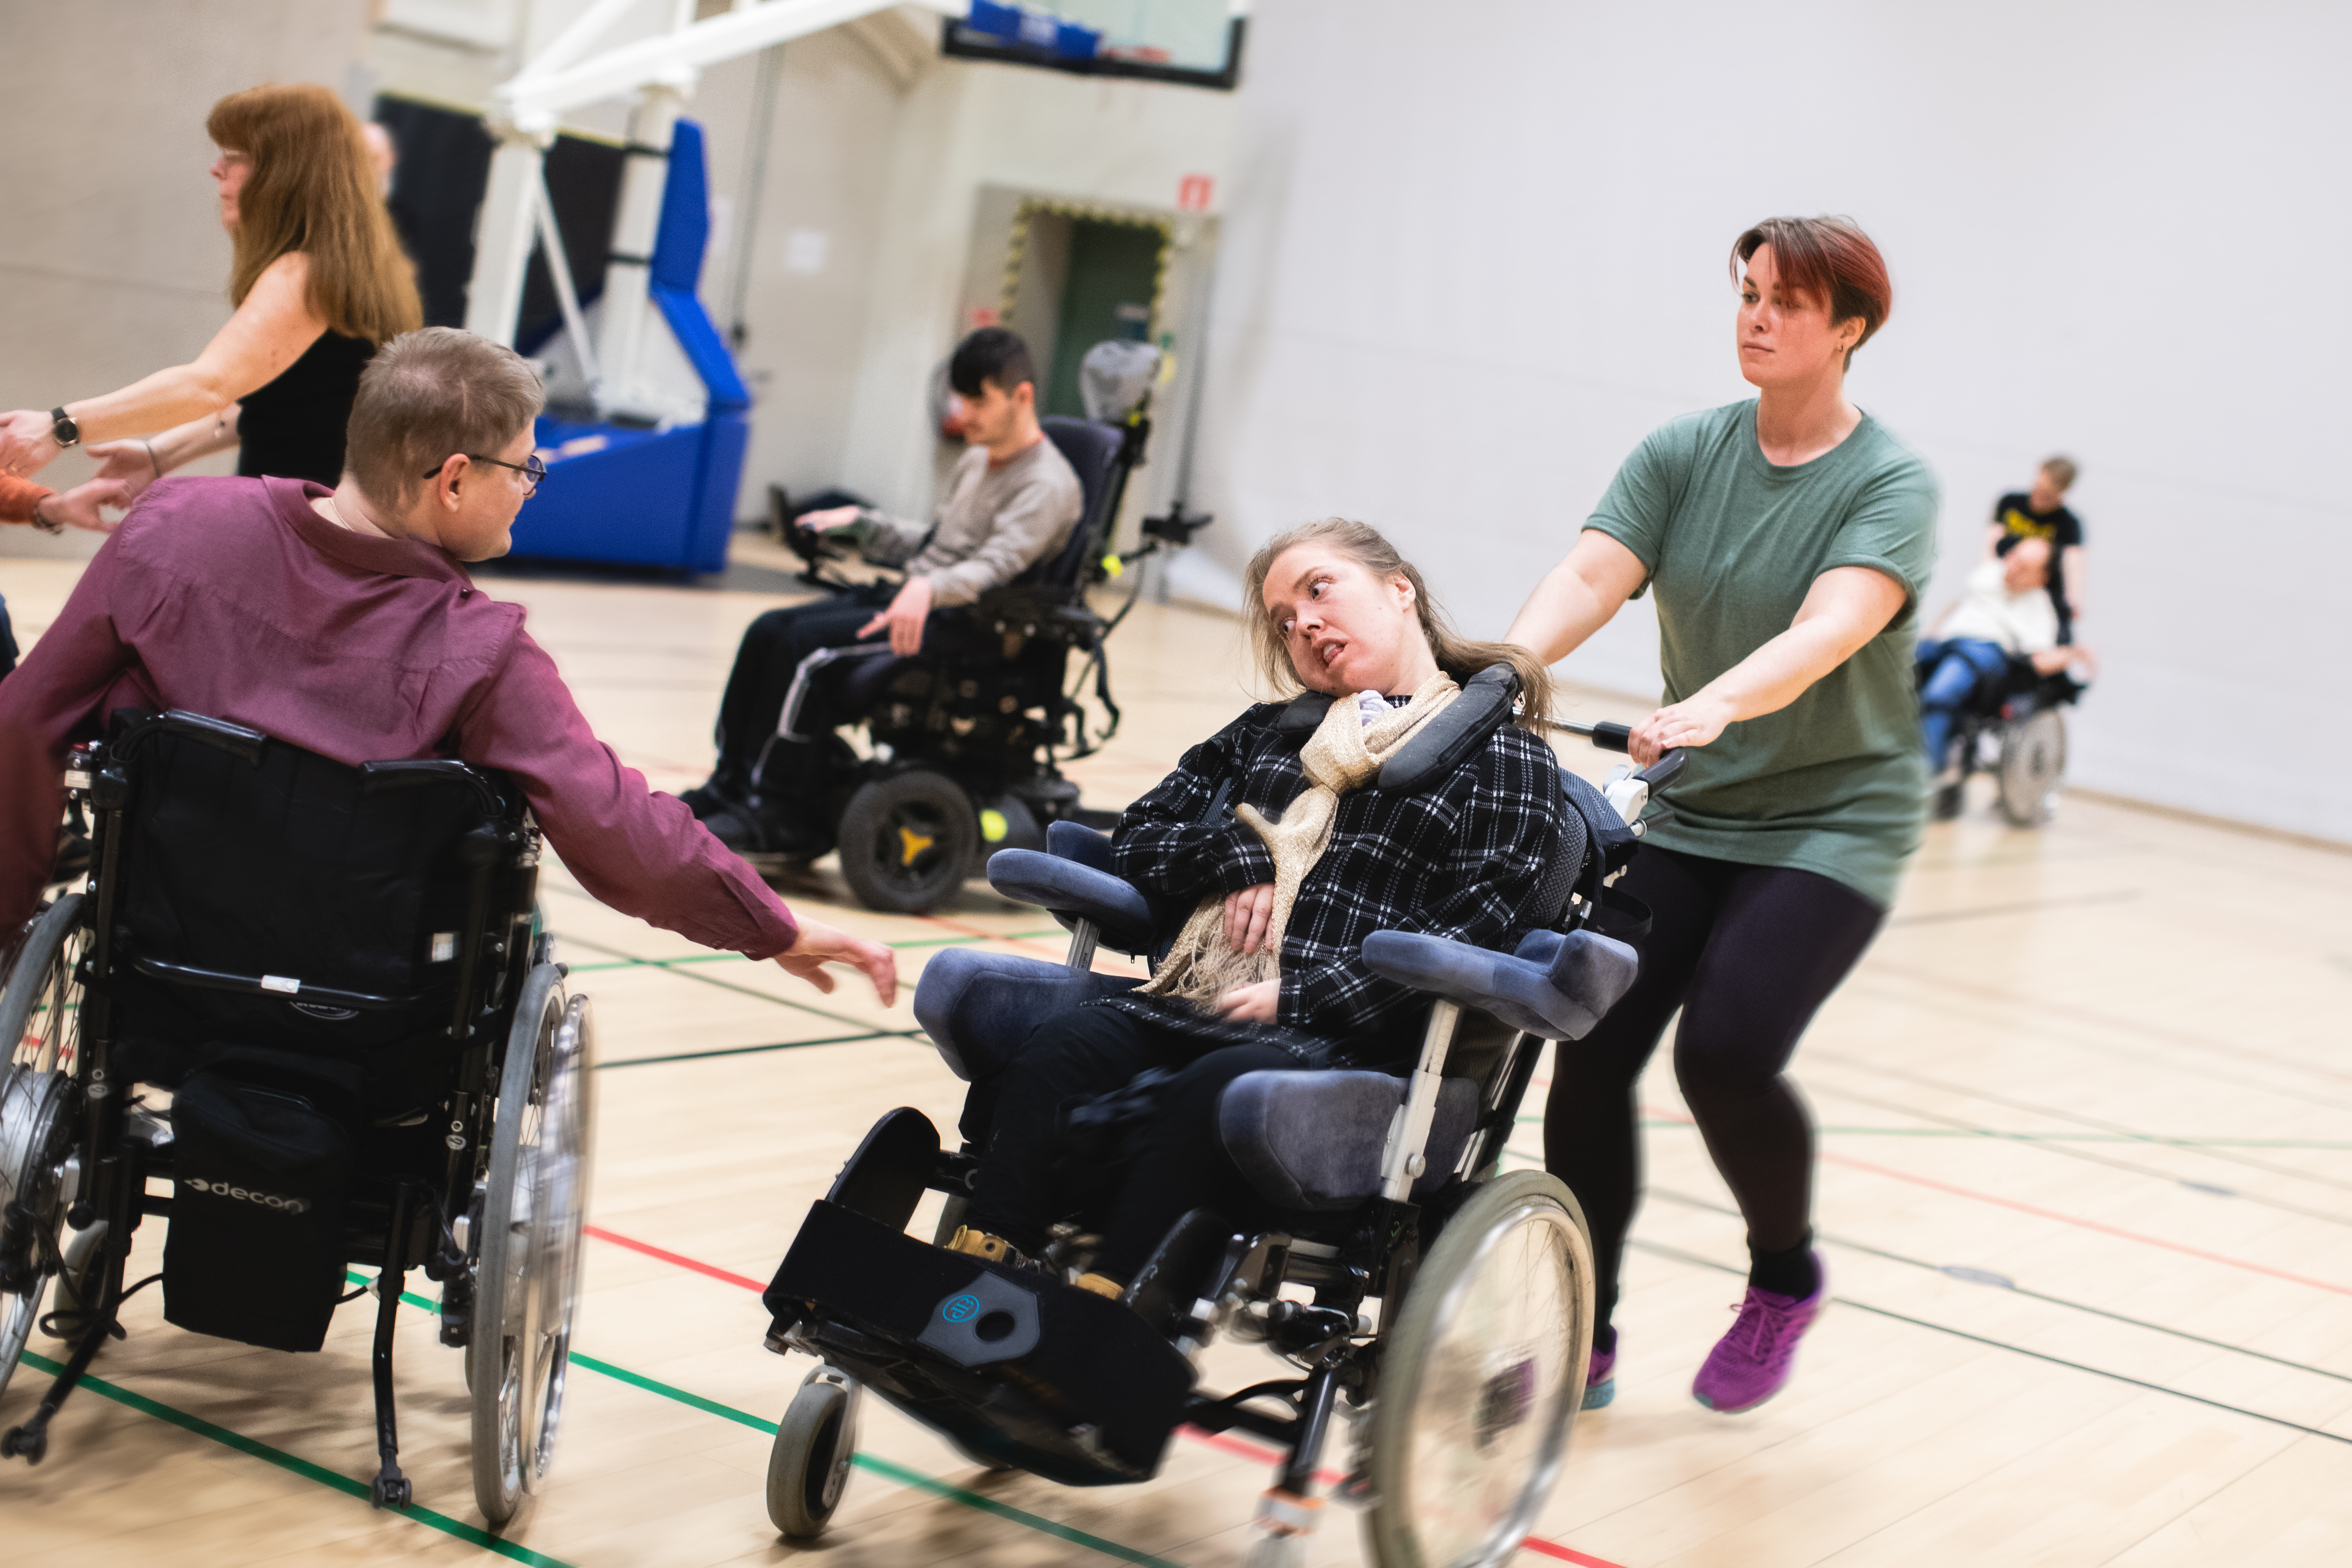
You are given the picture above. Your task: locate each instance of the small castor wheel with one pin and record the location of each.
(1950, 799)
(389, 1491)
(21, 1444)
(809, 1465)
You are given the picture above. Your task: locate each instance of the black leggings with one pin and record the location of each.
(771, 651)
(1178, 1163)
(1749, 953)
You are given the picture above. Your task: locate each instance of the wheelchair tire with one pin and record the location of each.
(2032, 768)
(527, 1287)
(909, 841)
(1481, 1379)
(39, 1007)
(808, 1469)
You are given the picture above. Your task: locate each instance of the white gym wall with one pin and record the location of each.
(1473, 252)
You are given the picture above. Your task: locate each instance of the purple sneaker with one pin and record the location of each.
(1750, 1365)
(1601, 1382)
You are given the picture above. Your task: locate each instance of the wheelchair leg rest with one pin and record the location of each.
(391, 1489)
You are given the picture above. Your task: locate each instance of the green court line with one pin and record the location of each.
(470, 1534)
(887, 1470)
(753, 1050)
(739, 958)
(2045, 1137)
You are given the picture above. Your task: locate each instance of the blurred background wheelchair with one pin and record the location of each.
(2012, 725)
(1372, 1189)
(314, 1001)
(963, 740)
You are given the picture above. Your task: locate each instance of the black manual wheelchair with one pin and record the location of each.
(1461, 1392)
(2013, 726)
(336, 975)
(965, 739)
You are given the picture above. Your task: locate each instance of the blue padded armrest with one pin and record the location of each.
(1072, 891)
(1555, 986)
(1076, 841)
(1314, 1140)
(980, 1008)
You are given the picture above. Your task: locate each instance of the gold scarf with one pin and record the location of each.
(1343, 753)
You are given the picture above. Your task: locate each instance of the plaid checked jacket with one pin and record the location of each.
(1463, 859)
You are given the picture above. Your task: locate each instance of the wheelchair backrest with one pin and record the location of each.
(268, 897)
(1092, 448)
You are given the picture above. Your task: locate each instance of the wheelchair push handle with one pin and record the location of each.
(1619, 738)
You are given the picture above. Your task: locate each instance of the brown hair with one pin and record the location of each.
(2062, 471)
(312, 188)
(1830, 259)
(1457, 655)
(428, 394)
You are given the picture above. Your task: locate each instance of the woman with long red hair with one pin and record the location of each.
(1785, 540)
(319, 282)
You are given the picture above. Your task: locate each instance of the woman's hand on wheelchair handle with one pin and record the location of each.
(820, 944)
(1247, 913)
(1692, 723)
(1251, 1004)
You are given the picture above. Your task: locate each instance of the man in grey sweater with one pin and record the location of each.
(1010, 504)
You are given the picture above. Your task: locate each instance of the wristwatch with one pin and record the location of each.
(63, 430)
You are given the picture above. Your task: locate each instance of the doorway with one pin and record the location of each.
(1109, 290)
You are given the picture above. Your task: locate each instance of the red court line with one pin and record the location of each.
(1214, 1440)
(2088, 1224)
(650, 1250)
(2040, 1213)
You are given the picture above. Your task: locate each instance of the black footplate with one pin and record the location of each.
(1009, 1364)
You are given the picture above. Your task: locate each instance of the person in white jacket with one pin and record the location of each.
(2005, 613)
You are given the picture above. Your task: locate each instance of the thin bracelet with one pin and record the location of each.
(151, 456)
(43, 523)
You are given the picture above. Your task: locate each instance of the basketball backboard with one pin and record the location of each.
(1197, 43)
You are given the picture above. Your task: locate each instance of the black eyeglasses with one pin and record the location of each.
(531, 469)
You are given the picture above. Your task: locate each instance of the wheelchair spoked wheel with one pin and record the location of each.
(528, 1290)
(909, 841)
(1482, 1378)
(39, 1017)
(2032, 766)
(808, 1469)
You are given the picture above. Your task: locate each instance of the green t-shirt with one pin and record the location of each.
(1834, 782)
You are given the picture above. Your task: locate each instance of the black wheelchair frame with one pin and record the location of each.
(1209, 1274)
(497, 1226)
(965, 739)
(2022, 713)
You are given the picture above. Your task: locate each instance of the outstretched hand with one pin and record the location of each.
(831, 517)
(820, 944)
(79, 506)
(26, 442)
(129, 461)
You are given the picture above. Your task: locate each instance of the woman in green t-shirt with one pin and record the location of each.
(1788, 539)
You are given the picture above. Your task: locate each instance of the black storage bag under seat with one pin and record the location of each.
(254, 1249)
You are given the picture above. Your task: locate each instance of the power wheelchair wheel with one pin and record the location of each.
(1481, 1377)
(527, 1289)
(808, 1470)
(2032, 766)
(909, 841)
(39, 1013)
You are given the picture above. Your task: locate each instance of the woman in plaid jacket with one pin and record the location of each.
(1286, 864)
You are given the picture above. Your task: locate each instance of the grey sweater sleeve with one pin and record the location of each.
(1030, 521)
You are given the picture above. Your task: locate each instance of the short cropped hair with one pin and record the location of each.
(2062, 472)
(992, 353)
(428, 394)
(1830, 259)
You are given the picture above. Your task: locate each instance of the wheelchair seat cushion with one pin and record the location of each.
(1314, 1140)
(980, 1008)
(1555, 985)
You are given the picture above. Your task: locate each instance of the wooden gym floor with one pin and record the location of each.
(2085, 1199)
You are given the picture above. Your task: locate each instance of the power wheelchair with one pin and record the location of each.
(1463, 1389)
(336, 976)
(2013, 726)
(962, 739)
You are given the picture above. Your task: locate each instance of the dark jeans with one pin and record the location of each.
(1177, 1163)
(771, 651)
(1749, 953)
(1954, 668)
